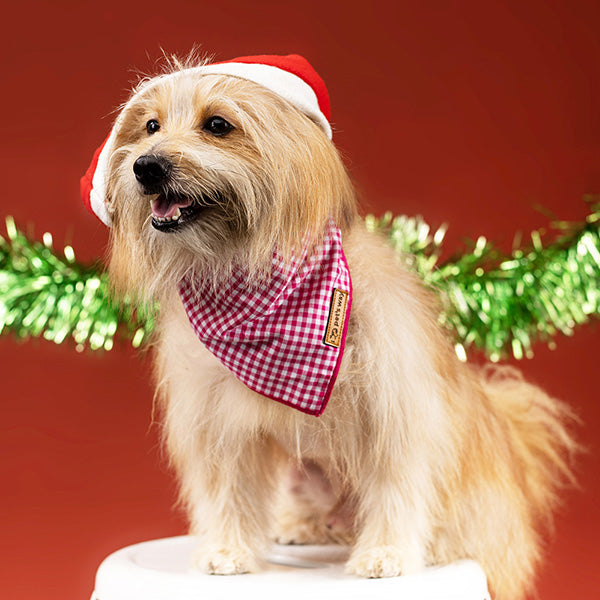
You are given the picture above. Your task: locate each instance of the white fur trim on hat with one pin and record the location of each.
(285, 84)
(99, 181)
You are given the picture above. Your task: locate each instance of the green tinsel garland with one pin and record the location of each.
(494, 301)
(503, 303)
(44, 294)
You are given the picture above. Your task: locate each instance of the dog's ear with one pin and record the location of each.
(93, 183)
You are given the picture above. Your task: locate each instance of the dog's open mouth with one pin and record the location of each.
(171, 212)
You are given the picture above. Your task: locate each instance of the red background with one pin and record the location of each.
(465, 112)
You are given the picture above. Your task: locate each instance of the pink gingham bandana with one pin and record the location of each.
(284, 336)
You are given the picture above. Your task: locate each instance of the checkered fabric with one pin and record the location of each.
(272, 335)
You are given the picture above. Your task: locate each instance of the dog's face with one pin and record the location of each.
(214, 170)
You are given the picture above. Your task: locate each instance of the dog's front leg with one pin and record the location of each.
(393, 529)
(233, 508)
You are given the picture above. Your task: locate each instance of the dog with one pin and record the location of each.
(220, 184)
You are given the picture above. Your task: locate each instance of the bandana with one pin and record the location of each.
(284, 336)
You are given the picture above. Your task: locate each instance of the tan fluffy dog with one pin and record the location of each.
(418, 459)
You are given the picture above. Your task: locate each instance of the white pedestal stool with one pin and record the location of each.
(159, 570)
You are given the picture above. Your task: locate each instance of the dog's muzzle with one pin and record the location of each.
(171, 210)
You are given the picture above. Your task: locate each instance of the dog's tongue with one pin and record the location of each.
(164, 206)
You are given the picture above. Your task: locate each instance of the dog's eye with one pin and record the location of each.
(217, 126)
(152, 126)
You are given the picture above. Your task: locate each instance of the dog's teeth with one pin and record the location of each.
(174, 217)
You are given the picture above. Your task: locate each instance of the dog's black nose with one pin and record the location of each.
(151, 171)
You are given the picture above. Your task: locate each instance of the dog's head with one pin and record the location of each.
(206, 170)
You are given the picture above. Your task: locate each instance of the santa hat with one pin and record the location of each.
(291, 77)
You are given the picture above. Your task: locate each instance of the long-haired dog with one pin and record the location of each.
(419, 458)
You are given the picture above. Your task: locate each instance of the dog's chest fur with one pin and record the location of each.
(232, 406)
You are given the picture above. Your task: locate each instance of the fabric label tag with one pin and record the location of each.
(337, 318)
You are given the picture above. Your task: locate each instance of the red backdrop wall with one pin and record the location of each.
(465, 112)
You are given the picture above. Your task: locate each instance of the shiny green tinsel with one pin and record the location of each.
(44, 294)
(499, 302)
(504, 302)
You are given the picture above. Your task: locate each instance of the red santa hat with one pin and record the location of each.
(292, 77)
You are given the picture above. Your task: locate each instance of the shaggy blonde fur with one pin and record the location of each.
(418, 459)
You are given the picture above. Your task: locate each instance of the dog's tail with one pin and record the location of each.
(540, 428)
(543, 447)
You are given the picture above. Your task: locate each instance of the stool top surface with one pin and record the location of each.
(160, 570)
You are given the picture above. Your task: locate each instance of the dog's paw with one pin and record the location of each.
(318, 529)
(224, 561)
(301, 531)
(381, 561)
